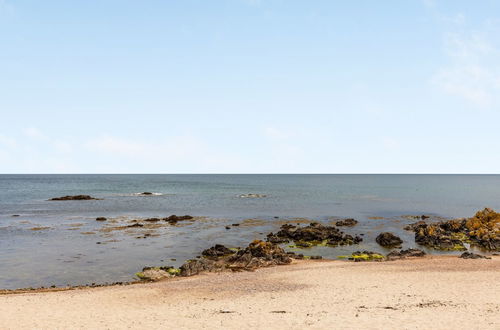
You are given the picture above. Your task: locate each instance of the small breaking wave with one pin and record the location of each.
(147, 193)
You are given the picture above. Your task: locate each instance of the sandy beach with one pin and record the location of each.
(433, 292)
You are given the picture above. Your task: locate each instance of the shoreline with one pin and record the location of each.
(434, 291)
(5, 292)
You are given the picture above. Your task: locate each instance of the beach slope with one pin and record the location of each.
(433, 292)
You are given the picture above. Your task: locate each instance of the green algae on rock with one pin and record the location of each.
(363, 256)
(157, 273)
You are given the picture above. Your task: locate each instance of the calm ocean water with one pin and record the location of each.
(64, 249)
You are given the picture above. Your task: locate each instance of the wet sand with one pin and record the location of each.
(434, 292)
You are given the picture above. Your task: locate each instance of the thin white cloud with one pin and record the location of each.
(275, 133)
(7, 142)
(473, 71)
(35, 133)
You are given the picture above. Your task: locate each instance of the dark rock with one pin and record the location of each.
(152, 220)
(16, 215)
(101, 219)
(217, 251)
(252, 196)
(470, 255)
(74, 198)
(235, 224)
(146, 193)
(389, 240)
(173, 219)
(410, 253)
(196, 266)
(346, 222)
(227, 227)
(259, 254)
(312, 234)
(316, 257)
(136, 225)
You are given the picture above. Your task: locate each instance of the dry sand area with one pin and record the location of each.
(430, 293)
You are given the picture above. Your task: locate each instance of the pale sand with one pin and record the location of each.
(430, 293)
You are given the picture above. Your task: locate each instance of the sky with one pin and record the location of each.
(249, 86)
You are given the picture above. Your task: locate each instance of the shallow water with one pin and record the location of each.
(63, 247)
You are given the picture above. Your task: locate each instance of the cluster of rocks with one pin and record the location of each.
(173, 219)
(74, 198)
(219, 258)
(374, 256)
(311, 235)
(482, 230)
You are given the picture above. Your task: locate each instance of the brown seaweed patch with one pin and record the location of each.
(376, 218)
(39, 228)
(254, 223)
(75, 224)
(87, 233)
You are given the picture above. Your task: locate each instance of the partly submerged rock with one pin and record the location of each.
(152, 219)
(311, 235)
(346, 222)
(217, 251)
(389, 240)
(74, 198)
(470, 255)
(173, 219)
(482, 230)
(101, 219)
(410, 253)
(252, 196)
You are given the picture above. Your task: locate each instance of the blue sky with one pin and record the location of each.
(249, 86)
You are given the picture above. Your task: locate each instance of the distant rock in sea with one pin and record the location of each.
(252, 196)
(74, 198)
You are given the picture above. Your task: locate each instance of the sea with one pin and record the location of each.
(46, 243)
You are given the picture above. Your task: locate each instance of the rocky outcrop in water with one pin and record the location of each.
(252, 196)
(346, 222)
(217, 251)
(311, 235)
(100, 219)
(74, 198)
(482, 230)
(389, 240)
(403, 254)
(173, 219)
